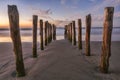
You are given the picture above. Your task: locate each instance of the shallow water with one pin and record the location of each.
(26, 35)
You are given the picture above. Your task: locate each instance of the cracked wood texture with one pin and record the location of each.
(73, 33)
(46, 38)
(65, 31)
(88, 30)
(15, 35)
(35, 20)
(54, 32)
(41, 35)
(106, 44)
(79, 34)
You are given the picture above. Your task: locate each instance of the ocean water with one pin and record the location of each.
(26, 35)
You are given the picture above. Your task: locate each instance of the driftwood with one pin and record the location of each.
(35, 20)
(41, 35)
(15, 35)
(79, 34)
(88, 30)
(106, 44)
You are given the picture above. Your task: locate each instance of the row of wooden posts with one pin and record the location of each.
(70, 34)
(50, 34)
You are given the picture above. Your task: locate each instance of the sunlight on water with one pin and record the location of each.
(25, 39)
(26, 35)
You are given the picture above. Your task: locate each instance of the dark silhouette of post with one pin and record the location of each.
(68, 32)
(41, 35)
(106, 44)
(79, 34)
(49, 33)
(46, 25)
(35, 20)
(88, 30)
(54, 32)
(73, 33)
(65, 31)
(15, 35)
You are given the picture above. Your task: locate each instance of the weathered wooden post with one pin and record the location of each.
(54, 32)
(65, 31)
(35, 20)
(48, 32)
(41, 35)
(79, 34)
(46, 24)
(73, 33)
(106, 44)
(15, 35)
(69, 32)
(88, 30)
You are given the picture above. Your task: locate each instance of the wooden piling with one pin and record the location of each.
(73, 33)
(46, 24)
(15, 35)
(54, 32)
(35, 20)
(79, 34)
(41, 35)
(65, 31)
(69, 32)
(106, 44)
(88, 30)
(48, 32)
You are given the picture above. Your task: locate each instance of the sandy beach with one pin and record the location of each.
(59, 61)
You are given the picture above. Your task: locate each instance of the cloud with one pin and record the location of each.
(61, 23)
(105, 3)
(117, 15)
(98, 17)
(63, 2)
(92, 0)
(42, 13)
(72, 6)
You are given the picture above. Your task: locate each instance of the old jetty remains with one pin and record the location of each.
(48, 34)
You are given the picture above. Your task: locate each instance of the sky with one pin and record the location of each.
(59, 12)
